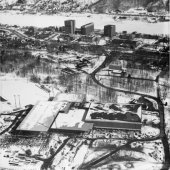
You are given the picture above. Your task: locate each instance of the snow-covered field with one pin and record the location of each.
(14, 18)
(20, 92)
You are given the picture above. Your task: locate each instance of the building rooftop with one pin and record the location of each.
(70, 20)
(70, 97)
(72, 121)
(41, 116)
(91, 23)
(117, 116)
(109, 25)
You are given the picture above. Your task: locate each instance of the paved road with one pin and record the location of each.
(17, 33)
(157, 98)
(23, 36)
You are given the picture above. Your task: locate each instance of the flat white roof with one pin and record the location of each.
(72, 121)
(69, 97)
(41, 116)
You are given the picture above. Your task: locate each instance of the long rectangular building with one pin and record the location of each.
(41, 117)
(115, 116)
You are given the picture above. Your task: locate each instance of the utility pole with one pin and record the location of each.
(19, 101)
(15, 101)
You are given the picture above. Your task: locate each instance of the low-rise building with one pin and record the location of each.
(124, 42)
(72, 121)
(41, 116)
(86, 38)
(115, 116)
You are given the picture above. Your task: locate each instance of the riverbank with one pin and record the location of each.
(17, 18)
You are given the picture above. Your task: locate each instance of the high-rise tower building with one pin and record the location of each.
(70, 26)
(109, 30)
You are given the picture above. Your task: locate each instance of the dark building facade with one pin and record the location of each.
(87, 29)
(86, 38)
(124, 43)
(70, 26)
(109, 30)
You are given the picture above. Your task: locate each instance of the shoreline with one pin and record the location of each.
(37, 20)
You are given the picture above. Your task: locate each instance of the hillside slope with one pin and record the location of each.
(100, 6)
(112, 5)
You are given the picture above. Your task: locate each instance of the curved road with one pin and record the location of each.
(103, 65)
(157, 99)
(160, 104)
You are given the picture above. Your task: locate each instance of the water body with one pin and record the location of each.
(14, 18)
(86, 85)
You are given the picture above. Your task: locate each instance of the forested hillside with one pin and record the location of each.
(100, 6)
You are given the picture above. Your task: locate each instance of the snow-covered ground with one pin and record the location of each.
(123, 165)
(20, 92)
(14, 18)
(79, 158)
